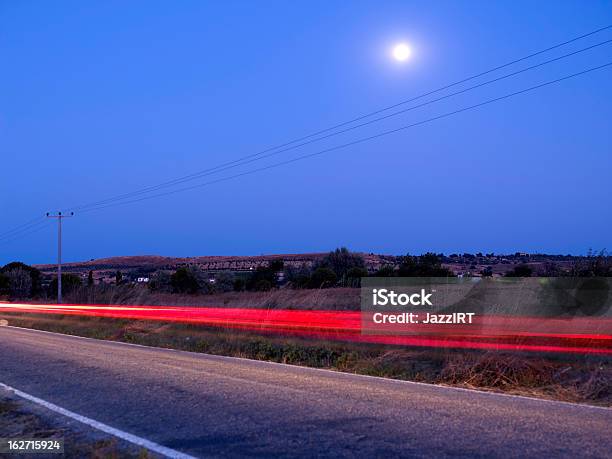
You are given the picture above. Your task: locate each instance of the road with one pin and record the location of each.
(213, 406)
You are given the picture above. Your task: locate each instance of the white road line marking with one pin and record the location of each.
(139, 441)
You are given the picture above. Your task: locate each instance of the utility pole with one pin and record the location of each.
(59, 217)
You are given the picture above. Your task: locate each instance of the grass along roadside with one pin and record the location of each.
(21, 419)
(566, 378)
(334, 299)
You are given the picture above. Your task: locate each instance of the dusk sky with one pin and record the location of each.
(103, 98)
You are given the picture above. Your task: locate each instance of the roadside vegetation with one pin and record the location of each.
(330, 284)
(19, 419)
(559, 377)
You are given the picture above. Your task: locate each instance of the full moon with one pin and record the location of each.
(401, 52)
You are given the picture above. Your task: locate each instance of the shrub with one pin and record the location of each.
(160, 282)
(224, 281)
(298, 277)
(70, 282)
(520, 271)
(263, 285)
(595, 264)
(239, 285)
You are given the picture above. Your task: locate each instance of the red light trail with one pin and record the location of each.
(568, 335)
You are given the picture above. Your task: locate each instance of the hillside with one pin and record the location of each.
(106, 267)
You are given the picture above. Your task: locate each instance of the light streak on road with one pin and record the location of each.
(588, 335)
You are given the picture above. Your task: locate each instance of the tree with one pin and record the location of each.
(35, 275)
(340, 261)
(354, 275)
(4, 284)
(264, 273)
(385, 271)
(20, 282)
(90, 279)
(276, 266)
(427, 265)
(184, 280)
(323, 277)
(118, 277)
(595, 264)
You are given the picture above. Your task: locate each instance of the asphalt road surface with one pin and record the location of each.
(211, 406)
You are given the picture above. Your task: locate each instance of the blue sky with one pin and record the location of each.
(103, 98)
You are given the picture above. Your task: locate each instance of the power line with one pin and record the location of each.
(242, 161)
(260, 155)
(274, 153)
(25, 229)
(21, 227)
(365, 139)
(35, 229)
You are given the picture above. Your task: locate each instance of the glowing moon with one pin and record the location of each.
(401, 52)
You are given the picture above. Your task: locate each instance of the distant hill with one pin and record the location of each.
(146, 264)
(104, 269)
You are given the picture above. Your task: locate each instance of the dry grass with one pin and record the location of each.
(568, 378)
(570, 381)
(330, 299)
(495, 371)
(19, 420)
